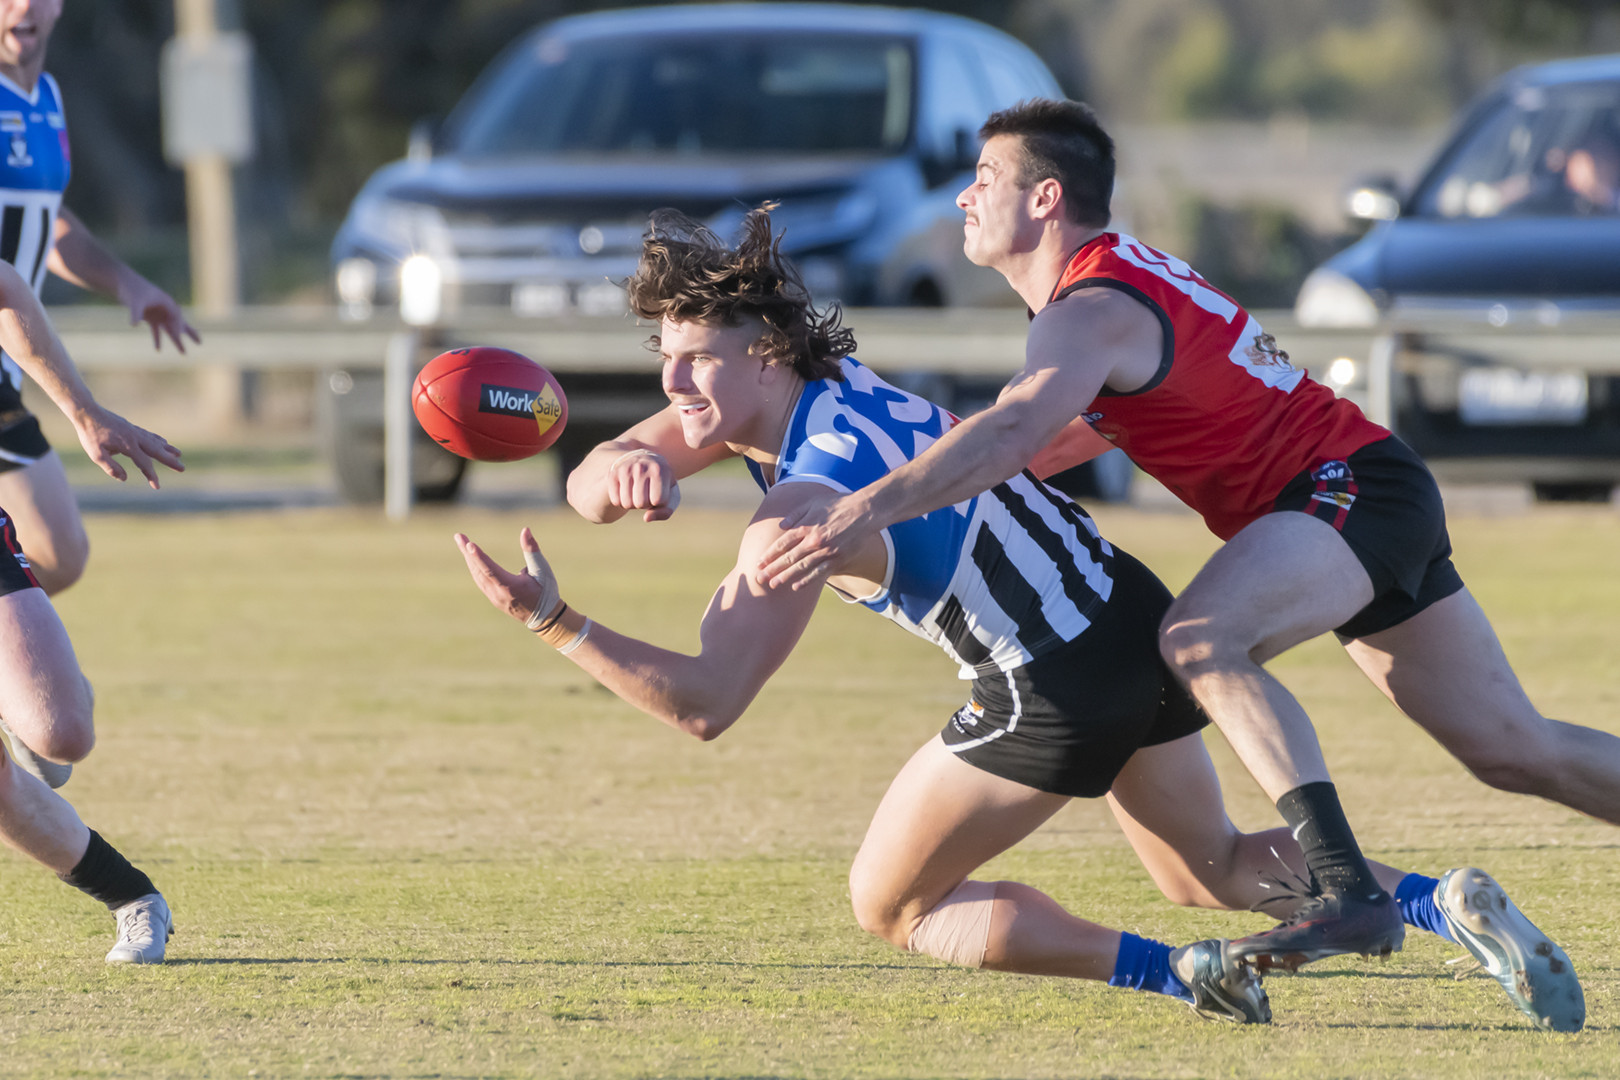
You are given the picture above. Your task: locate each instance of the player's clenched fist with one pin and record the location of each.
(643, 479)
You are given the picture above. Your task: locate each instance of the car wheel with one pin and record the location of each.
(1587, 491)
(925, 293)
(357, 462)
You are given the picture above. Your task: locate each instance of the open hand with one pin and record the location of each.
(817, 541)
(530, 597)
(149, 304)
(105, 435)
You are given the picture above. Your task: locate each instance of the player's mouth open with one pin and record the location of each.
(691, 408)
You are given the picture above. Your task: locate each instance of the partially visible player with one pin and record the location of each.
(45, 699)
(1057, 628)
(36, 234)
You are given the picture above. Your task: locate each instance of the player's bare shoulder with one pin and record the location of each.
(1102, 327)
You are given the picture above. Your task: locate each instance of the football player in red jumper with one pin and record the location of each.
(1330, 522)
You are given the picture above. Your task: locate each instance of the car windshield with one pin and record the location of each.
(1547, 151)
(694, 94)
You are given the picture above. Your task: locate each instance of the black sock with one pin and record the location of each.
(108, 876)
(1317, 821)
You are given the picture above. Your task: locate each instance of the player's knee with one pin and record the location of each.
(1192, 646)
(1521, 767)
(878, 911)
(67, 733)
(59, 561)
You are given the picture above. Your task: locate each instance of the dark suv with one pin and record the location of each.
(860, 121)
(1496, 284)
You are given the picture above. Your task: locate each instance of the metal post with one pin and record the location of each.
(211, 227)
(398, 373)
(1381, 380)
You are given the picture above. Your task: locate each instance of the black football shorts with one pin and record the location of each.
(21, 441)
(1069, 720)
(1386, 505)
(15, 574)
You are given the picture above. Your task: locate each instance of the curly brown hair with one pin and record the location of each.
(688, 274)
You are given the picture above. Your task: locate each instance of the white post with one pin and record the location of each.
(1381, 380)
(398, 373)
(210, 197)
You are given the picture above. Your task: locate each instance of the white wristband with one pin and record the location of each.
(631, 454)
(578, 639)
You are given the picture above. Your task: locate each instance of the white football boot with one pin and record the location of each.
(1536, 974)
(144, 928)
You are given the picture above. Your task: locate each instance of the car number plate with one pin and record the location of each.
(541, 299)
(1499, 395)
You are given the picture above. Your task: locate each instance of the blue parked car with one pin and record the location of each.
(860, 121)
(1497, 278)
(531, 198)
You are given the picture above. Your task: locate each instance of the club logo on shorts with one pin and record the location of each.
(968, 716)
(1330, 471)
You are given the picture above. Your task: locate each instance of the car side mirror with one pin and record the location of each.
(1373, 198)
(962, 155)
(965, 149)
(424, 139)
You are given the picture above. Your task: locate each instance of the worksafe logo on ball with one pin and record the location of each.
(512, 401)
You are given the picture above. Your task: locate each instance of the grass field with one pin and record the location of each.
(402, 839)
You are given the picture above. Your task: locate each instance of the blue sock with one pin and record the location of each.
(1415, 895)
(1144, 964)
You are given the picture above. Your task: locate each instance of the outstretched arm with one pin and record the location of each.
(80, 258)
(26, 335)
(639, 471)
(1091, 339)
(746, 634)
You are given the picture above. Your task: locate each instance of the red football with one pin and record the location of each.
(489, 404)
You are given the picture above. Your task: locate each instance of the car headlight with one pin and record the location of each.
(1329, 298)
(421, 291)
(356, 281)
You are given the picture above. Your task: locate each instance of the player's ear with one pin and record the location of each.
(772, 372)
(1046, 199)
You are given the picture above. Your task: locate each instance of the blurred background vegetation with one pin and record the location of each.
(339, 83)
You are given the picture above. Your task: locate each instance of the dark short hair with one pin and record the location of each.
(688, 274)
(1062, 141)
